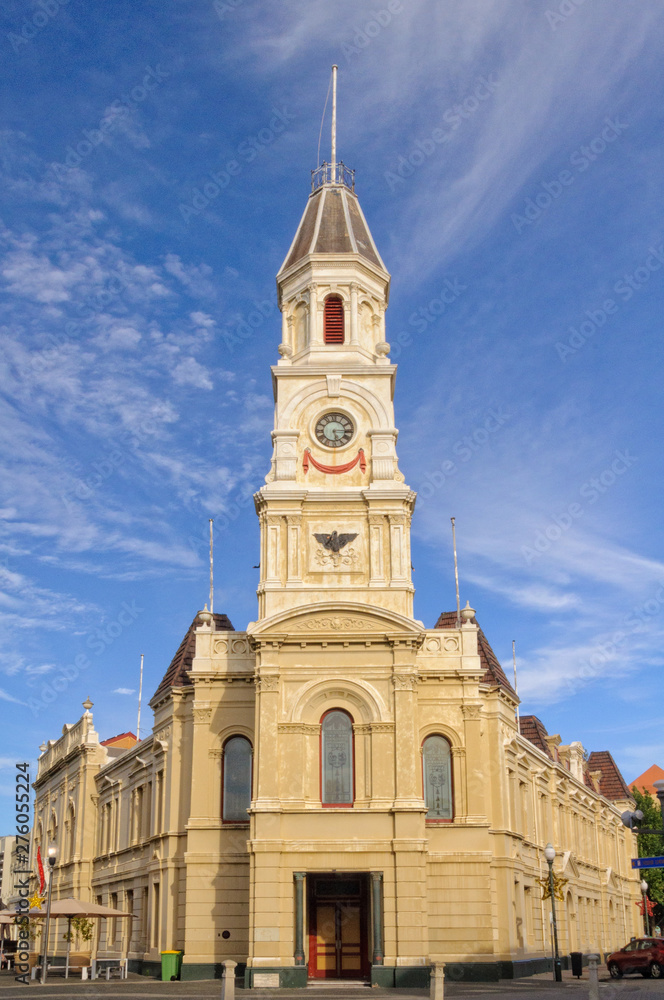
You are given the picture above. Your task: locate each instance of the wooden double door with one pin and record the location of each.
(338, 923)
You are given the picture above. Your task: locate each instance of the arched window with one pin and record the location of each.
(437, 775)
(236, 788)
(52, 832)
(333, 320)
(337, 759)
(71, 833)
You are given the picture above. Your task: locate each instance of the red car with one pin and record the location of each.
(644, 955)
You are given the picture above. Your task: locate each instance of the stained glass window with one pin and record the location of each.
(237, 780)
(337, 763)
(437, 777)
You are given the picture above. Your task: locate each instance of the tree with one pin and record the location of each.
(81, 930)
(651, 845)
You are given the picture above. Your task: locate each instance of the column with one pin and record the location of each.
(265, 753)
(377, 577)
(353, 313)
(272, 532)
(314, 340)
(405, 716)
(475, 765)
(299, 917)
(377, 908)
(294, 522)
(459, 779)
(397, 553)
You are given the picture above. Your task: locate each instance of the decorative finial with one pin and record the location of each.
(43, 748)
(87, 704)
(205, 617)
(468, 613)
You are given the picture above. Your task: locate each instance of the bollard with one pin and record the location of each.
(593, 980)
(228, 980)
(436, 983)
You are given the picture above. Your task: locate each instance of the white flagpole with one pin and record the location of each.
(140, 695)
(334, 122)
(515, 687)
(211, 573)
(456, 575)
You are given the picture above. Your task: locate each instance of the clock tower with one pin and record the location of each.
(335, 511)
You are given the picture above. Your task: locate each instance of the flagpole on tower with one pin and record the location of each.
(516, 690)
(140, 696)
(211, 571)
(334, 122)
(456, 575)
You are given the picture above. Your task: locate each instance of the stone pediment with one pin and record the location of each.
(337, 621)
(569, 865)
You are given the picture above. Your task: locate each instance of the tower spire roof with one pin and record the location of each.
(333, 223)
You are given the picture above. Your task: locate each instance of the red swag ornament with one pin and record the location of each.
(308, 459)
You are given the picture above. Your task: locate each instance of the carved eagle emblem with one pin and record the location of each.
(334, 542)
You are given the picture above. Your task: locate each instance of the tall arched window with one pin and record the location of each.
(333, 320)
(52, 832)
(337, 759)
(437, 775)
(236, 788)
(70, 834)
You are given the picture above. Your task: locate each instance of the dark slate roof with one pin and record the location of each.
(176, 675)
(611, 784)
(333, 223)
(493, 672)
(533, 729)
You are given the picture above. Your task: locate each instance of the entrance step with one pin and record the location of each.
(337, 984)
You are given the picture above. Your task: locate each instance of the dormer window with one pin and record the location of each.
(333, 320)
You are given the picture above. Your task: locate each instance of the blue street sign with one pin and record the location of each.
(648, 862)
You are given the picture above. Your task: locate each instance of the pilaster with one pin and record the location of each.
(475, 760)
(404, 683)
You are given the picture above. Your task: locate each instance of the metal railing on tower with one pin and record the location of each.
(332, 173)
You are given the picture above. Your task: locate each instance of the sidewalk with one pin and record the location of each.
(533, 988)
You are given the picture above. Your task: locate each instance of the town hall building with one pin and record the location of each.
(336, 790)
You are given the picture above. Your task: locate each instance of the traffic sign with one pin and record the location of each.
(648, 862)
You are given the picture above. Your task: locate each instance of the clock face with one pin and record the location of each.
(334, 430)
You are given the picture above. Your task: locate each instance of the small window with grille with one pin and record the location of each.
(333, 320)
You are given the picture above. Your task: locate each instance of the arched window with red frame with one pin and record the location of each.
(437, 779)
(236, 780)
(333, 320)
(336, 759)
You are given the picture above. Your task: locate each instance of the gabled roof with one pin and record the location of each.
(333, 223)
(493, 672)
(176, 675)
(533, 729)
(123, 740)
(611, 784)
(645, 780)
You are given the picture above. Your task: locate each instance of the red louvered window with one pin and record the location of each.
(333, 320)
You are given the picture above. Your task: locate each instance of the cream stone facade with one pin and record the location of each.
(338, 791)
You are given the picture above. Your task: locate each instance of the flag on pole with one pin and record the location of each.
(40, 866)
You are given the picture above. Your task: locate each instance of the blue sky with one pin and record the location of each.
(156, 163)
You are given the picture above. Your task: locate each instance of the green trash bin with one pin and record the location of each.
(171, 962)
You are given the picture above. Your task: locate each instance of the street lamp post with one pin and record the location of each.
(659, 788)
(550, 854)
(51, 854)
(646, 915)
